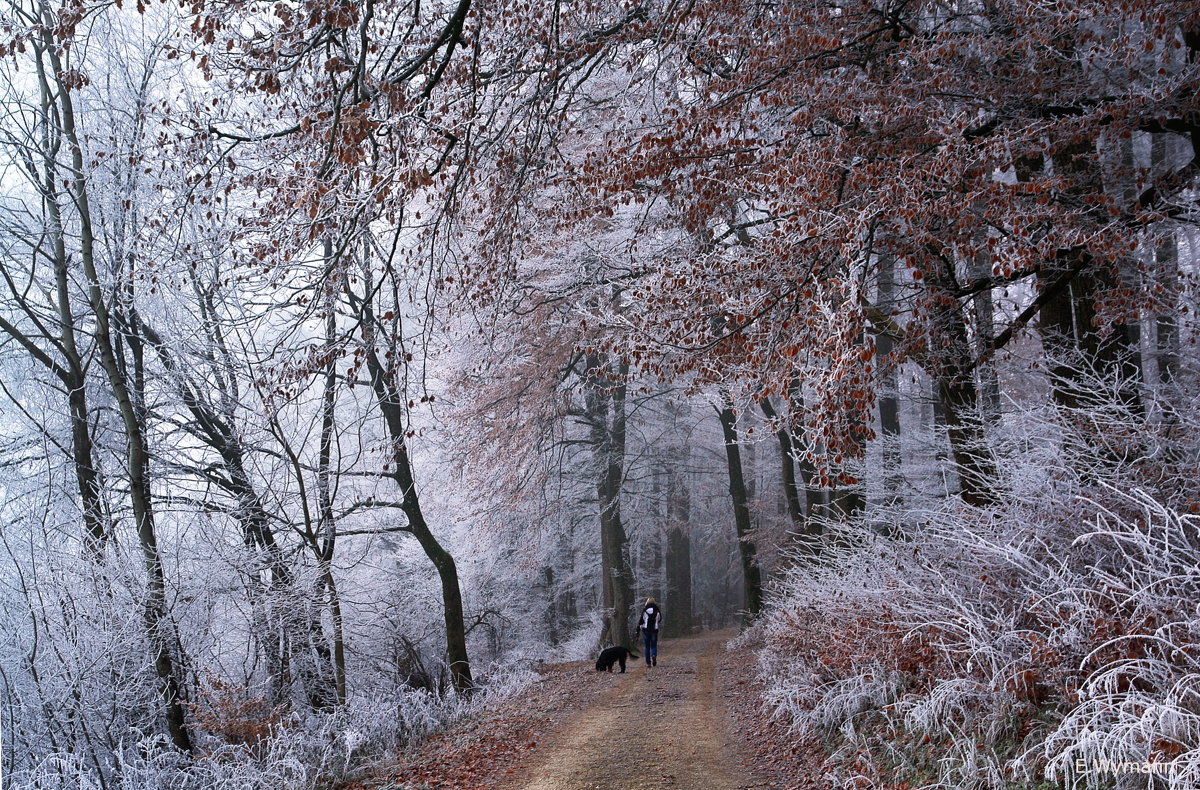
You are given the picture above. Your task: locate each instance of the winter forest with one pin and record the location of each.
(361, 358)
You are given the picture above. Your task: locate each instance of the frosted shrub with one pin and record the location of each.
(500, 681)
(296, 754)
(985, 648)
(582, 643)
(1140, 703)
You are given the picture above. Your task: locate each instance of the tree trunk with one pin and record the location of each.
(959, 405)
(751, 575)
(1129, 278)
(938, 413)
(1166, 258)
(565, 600)
(1166, 323)
(678, 602)
(284, 627)
(787, 465)
(654, 568)
(97, 528)
(954, 388)
(816, 503)
(392, 405)
(328, 525)
(805, 532)
(889, 395)
(985, 321)
(606, 412)
(1079, 353)
(87, 479)
(649, 576)
(847, 501)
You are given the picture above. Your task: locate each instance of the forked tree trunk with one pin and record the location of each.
(849, 501)
(803, 503)
(952, 369)
(163, 640)
(1080, 352)
(787, 466)
(285, 630)
(97, 528)
(816, 500)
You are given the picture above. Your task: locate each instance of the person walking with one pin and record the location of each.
(648, 625)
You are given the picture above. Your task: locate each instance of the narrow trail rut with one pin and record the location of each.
(657, 728)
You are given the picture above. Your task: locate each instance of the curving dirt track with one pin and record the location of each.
(655, 728)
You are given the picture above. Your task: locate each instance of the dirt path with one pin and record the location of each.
(656, 728)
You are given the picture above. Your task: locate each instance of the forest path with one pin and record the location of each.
(656, 728)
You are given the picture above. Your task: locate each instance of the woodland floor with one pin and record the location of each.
(693, 722)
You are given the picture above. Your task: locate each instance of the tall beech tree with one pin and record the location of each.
(383, 355)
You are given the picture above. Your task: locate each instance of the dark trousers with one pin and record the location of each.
(650, 640)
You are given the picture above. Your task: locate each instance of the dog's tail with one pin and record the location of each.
(633, 654)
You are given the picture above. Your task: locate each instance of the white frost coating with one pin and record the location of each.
(1061, 630)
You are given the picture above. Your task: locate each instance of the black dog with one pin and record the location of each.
(613, 655)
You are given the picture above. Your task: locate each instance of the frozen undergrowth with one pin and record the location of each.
(582, 643)
(1000, 648)
(298, 753)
